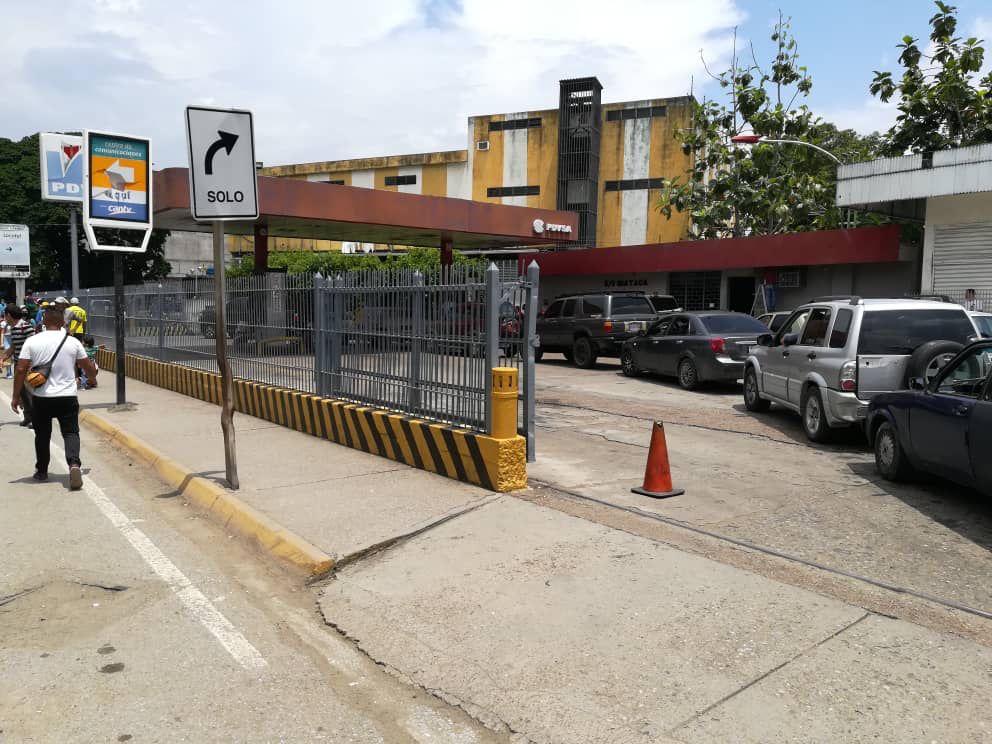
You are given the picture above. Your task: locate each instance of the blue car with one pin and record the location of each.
(944, 427)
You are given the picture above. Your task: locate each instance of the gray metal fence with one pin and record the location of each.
(398, 339)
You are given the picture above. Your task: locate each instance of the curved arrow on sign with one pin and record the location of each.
(227, 141)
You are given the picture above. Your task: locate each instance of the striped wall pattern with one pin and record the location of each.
(495, 464)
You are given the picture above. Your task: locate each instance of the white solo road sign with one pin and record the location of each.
(15, 252)
(222, 181)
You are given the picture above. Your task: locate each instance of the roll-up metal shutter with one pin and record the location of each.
(962, 257)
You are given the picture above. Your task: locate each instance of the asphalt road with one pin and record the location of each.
(755, 477)
(125, 616)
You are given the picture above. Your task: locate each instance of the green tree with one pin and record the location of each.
(48, 222)
(735, 190)
(426, 260)
(941, 101)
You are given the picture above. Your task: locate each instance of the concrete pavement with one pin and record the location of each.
(547, 627)
(102, 641)
(322, 492)
(755, 477)
(568, 631)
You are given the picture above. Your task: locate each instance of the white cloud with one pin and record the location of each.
(870, 116)
(336, 79)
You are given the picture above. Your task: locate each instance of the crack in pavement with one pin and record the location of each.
(673, 422)
(17, 595)
(767, 674)
(478, 713)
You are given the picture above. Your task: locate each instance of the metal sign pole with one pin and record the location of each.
(227, 384)
(223, 185)
(74, 249)
(119, 327)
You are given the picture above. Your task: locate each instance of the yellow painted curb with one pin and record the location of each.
(222, 505)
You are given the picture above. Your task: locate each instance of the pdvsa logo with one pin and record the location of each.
(63, 166)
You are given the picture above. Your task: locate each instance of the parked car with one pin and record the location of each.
(695, 347)
(832, 356)
(664, 304)
(942, 427)
(464, 322)
(235, 314)
(586, 326)
(983, 322)
(774, 321)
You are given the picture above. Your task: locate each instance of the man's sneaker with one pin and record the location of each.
(75, 478)
(40, 475)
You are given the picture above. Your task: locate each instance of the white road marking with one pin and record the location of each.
(192, 598)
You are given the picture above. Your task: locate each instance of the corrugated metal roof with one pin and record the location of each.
(965, 170)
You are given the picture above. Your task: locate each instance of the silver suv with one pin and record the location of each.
(833, 354)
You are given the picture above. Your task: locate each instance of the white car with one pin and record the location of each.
(982, 321)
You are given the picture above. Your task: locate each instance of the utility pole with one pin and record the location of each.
(74, 249)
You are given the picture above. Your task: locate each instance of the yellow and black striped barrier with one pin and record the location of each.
(169, 328)
(497, 462)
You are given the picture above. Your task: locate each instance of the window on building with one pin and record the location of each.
(502, 126)
(632, 184)
(336, 182)
(400, 180)
(695, 290)
(513, 191)
(642, 112)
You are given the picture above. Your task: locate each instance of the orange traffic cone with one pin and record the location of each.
(658, 474)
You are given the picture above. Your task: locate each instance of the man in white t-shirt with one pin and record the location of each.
(56, 398)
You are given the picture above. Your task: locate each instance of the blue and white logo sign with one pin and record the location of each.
(61, 167)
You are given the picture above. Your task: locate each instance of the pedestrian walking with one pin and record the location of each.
(75, 319)
(971, 302)
(20, 331)
(48, 363)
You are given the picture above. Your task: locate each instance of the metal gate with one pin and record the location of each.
(962, 257)
(419, 344)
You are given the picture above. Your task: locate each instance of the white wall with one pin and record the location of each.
(460, 178)
(186, 251)
(636, 162)
(411, 170)
(515, 160)
(364, 179)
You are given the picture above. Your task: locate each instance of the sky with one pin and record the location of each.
(335, 79)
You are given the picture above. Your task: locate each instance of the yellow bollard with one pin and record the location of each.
(504, 403)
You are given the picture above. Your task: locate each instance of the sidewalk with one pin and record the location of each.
(558, 629)
(341, 500)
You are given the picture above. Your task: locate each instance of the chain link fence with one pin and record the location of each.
(420, 344)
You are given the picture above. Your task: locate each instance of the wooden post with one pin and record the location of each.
(447, 254)
(227, 384)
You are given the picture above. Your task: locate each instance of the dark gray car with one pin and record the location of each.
(694, 347)
(584, 327)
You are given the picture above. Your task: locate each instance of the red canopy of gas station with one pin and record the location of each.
(304, 209)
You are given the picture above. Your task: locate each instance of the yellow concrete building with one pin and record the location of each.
(606, 163)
